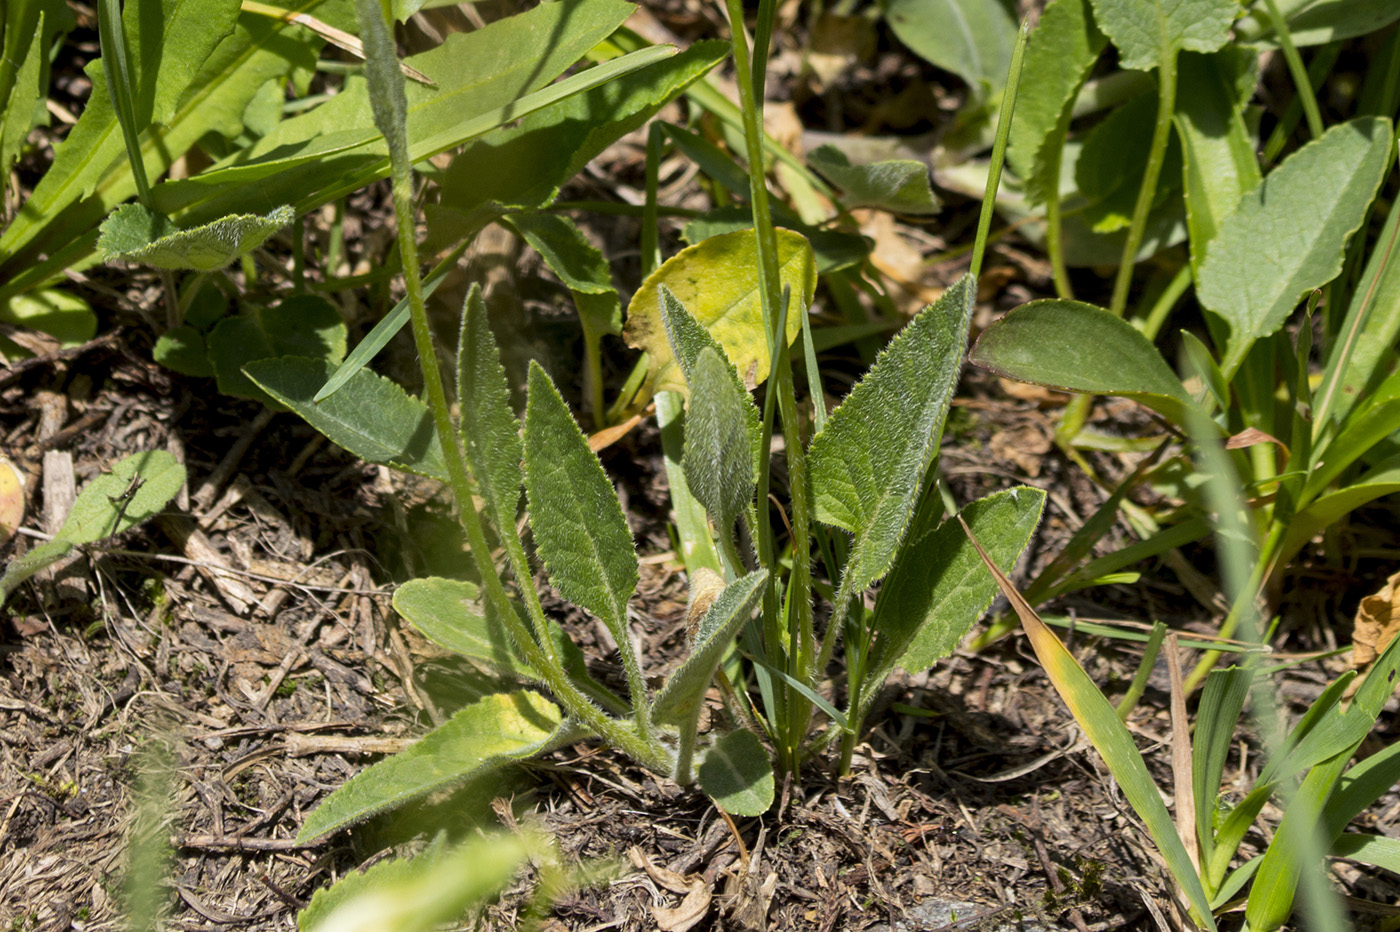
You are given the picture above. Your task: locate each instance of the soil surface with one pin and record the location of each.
(191, 690)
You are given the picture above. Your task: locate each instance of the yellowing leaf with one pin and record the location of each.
(717, 281)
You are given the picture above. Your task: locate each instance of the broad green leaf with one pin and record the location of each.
(738, 775)
(1111, 738)
(1375, 850)
(420, 893)
(680, 699)
(717, 282)
(479, 75)
(833, 249)
(183, 350)
(1317, 22)
(489, 430)
(1060, 54)
(134, 234)
(136, 489)
(1149, 32)
(722, 432)
(1218, 161)
(971, 38)
(1078, 347)
(488, 733)
(897, 185)
(578, 525)
(938, 588)
(303, 325)
(448, 613)
(525, 164)
(1264, 260)
(868, 463)
(61, 314)
(371, 416)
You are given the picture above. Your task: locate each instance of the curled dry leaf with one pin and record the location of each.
(11, 500)
(1377, 619)
(705, 586)
(693, 907)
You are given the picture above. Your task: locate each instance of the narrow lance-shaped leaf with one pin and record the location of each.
(1149, 32)
(488, 733)
(898, 185)
(722, 432)
(1289, 235)
(490, 432)
(1111, 738)
(869, 462)
(679, 700)
(1078, 347)
(578, 525)
(738, 774)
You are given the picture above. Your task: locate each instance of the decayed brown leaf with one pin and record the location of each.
(1377, 619)
(693, 907)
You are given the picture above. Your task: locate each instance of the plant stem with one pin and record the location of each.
(387, 96)
(1161, 134)
(1301, 81)
(1004, 117)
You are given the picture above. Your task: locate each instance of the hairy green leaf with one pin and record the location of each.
(490, 432)
(578, 525)
(303, 325)
(680, 699)
(371, 416)
(717, 282)
(738, 775)
(579, 264)
(135, 234)
(1111, 165)
(448, 613)
(869, 462)
(420, 893)
(183, 350)
(897, 185)
(488, 733)
(1078, 347)
(1060, 54)
(1148, 32)
(971, 38)
(136, 489)
(1289, 235)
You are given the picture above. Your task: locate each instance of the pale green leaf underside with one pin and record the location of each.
(971, 38)
(134, 234)
(679, 700)
(371, 417)
(868, 463)
(490, 732)
(1146, 32)
(897, 185)
(446, 612)
(721, 431)
(1288, 236)
(737, 774)
(578, 525)
(108, 505)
